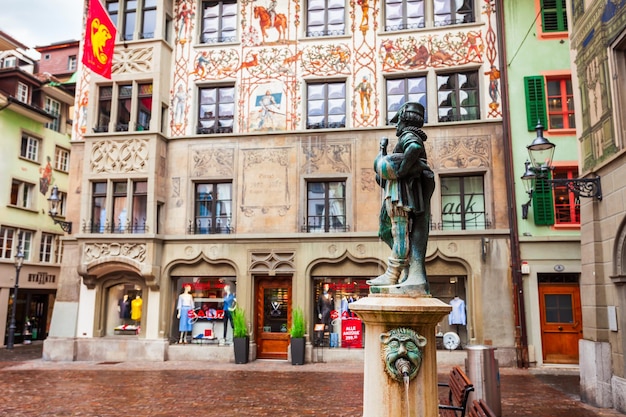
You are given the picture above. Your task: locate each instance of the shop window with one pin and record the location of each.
(213, 208)
(553, 15)
(124, 197)
(22, 194)
(219, 21)
(124, 310)
(334, 324)
(463, 203)
(451, 290)
(46, 248)
(403, 14)
(30, 148)
(61, 159)
(325, 18)
(458, 96)
(403, 90)
(326, 105)
(326, 206)
(53, 108)
(207, 320)
(216, 109)
(453, 12)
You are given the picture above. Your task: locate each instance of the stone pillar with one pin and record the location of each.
(384, 396)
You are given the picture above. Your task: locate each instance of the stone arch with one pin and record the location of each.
(318, 267)
(106, 279)
(438, 263)
(101, 259)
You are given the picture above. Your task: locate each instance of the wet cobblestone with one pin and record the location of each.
(32, 387)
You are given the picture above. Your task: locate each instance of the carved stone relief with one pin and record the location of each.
(271, 262)
(212, 162)
(132, 60)
(95, 251)
(266, 181)
(326, 156)
(368, 180)
(467, 152)
(119, 156)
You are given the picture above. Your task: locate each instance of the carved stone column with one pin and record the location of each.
(384, 396)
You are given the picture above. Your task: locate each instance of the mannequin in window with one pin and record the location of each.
(457, 315)
(230, 303)
(185, 304)
(123, 307)
(325, 304)
(135, 308)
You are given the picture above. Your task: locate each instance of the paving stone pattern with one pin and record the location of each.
(32, 387)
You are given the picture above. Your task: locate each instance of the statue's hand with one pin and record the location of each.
(384, 142)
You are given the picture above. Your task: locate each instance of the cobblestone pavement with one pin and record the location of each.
(32, 387)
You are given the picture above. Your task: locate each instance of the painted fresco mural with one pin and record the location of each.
(268, 61)
(272, 59)
(596, 27)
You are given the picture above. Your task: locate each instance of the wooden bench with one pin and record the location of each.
(478, 408)
(459, 390)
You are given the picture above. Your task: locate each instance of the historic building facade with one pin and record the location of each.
(234, 145)
(598, 53)
(548, 219)
(35, 127)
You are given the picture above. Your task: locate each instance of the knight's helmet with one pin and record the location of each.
(408, 112)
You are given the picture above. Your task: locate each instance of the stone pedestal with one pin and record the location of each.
(384, 396)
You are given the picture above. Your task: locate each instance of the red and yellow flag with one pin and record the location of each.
(99, 40)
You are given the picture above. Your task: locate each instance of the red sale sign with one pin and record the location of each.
(351, 333)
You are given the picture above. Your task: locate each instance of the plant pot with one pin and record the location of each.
(242, 349)
(297, 350)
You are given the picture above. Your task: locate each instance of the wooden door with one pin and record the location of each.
(273, 316)
(561, 322)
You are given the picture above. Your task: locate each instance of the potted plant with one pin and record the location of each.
(297, 332)
(241, 336)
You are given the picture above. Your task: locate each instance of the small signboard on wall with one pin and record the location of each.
(351, 333)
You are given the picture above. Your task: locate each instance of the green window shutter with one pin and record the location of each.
(535, 101)
(543, 203)
(553, 16)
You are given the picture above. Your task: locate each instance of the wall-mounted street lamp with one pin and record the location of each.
(19, 260)
(53, 202)
(540, 152)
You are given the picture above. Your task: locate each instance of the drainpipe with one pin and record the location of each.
(521, 341)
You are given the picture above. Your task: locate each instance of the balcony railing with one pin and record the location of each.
(205, 226)
(134, 227)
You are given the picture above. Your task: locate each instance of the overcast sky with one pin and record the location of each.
(41, 22)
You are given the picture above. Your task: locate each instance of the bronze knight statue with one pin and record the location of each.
(409, 183)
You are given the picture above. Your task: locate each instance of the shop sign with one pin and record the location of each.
(351, 333)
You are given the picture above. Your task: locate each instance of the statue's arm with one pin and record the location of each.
(412, 162)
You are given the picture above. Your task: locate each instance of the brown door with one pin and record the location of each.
(273, 310)
(561, 322)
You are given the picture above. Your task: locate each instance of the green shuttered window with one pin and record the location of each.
(535, 101)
